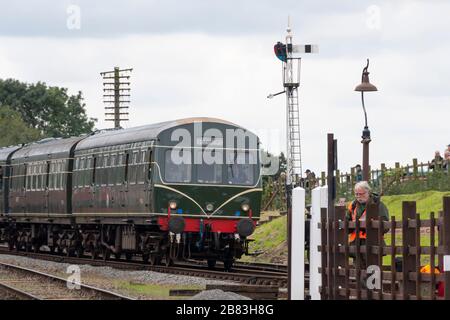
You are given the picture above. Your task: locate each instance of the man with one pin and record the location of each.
(357, 210)
(437, 162)
(310, 180)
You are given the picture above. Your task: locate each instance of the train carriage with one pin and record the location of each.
(184, 189)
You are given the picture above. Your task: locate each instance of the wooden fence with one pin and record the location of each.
(402, 278)
(381, 178)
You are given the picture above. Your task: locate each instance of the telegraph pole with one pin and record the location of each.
(116, 94)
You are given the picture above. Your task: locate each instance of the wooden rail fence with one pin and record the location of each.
(404, 277)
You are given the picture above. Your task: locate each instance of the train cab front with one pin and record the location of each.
(208, 199)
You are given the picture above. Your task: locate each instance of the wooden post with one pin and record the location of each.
(383, 177)
(393, 266)
(432, 257)
(353, 177)
(409, 261)
(341, 240)
(322, 178)
(325, 289)
(415, 168)
(371, 240)
(338, 181)
(446, 244)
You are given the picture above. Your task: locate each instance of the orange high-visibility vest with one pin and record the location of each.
(362, 234)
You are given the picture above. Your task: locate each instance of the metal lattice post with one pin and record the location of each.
(117, 93)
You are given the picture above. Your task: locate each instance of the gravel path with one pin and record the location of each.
(108, 278)
(218, 295)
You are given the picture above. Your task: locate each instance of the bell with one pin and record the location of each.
(365, 84)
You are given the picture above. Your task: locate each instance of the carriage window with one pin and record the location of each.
(240, 167)
(174, 172)
(141, 168)
(210, 173)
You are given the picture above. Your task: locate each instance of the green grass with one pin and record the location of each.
(426, 202)
(153, 291)
(271, 237)
(268, 239)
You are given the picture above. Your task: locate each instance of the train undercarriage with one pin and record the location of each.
(129, 241)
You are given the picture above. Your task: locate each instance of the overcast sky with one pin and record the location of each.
(215, 59)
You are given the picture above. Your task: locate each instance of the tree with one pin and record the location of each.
(49, 109)
(13, 130)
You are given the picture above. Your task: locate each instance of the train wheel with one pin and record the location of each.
(211, 263)
(128, 256)
(145, 257)
(117, 255)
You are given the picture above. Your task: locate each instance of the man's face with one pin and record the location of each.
(361, 195)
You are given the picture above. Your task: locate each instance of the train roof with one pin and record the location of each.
(5, 152)
(47, 147)
(138, 134)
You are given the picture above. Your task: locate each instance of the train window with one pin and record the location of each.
(133, 167)
(141, 168)
(175, 171)
(39, 177)
(87, 172)
(240, 166)
(210, 173)
(36, 173)
(105, 170)
(112, 169)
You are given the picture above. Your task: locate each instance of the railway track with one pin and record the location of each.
(28, 284)
(242, 273)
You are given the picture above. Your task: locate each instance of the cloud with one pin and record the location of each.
(192, 59)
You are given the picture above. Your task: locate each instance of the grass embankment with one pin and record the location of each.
(270, 238)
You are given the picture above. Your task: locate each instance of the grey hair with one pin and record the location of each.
(363, 185)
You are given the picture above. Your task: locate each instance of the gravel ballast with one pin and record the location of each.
(106, 277)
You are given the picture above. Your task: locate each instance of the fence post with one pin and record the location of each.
(325, 289)
(322, 178)
(415, 168)
(341, 263)
(372, 241)
(319, 200)
(409, 237)
(298, 245)
(446, 243)
(383, 177)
